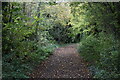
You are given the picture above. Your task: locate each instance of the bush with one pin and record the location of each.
(18, 67)
(103, 53)
(88, 50)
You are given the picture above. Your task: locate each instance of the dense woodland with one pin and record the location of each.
(32, 30)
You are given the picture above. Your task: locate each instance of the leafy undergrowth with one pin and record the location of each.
(19, 66)
(103, 54)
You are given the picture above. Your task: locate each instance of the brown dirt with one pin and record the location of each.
(64, 63)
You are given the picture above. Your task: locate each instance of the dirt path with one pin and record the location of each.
(64, 63)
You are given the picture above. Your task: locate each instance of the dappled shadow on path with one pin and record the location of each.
(64, 63)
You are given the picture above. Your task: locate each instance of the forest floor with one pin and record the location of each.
(64, 63)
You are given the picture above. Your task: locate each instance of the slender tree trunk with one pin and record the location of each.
(24, 4)
(4, 9)
(38, 15)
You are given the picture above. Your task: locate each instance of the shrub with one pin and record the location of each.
(87, 49)
(103, 53)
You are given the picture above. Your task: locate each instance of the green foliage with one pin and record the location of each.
(24, 41)
(60, 33)
(98, 27)
(91, 18)
(58, 17)
(88, 48)
(103, 53)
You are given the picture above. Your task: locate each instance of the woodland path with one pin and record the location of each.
(64, 63)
